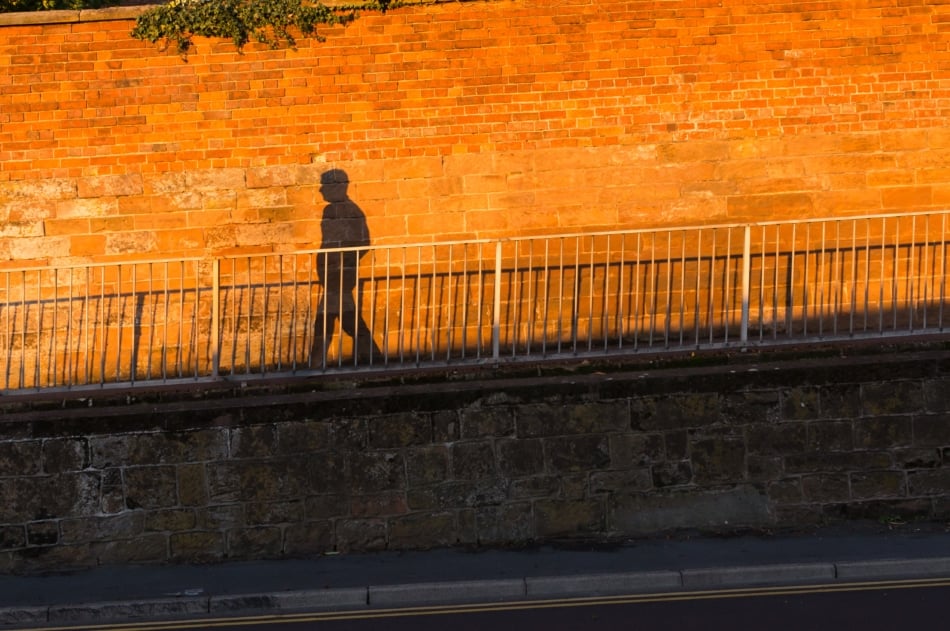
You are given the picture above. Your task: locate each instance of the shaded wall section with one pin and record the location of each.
(470, 120)
(267, 472)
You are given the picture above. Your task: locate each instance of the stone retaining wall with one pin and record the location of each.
(186, 476)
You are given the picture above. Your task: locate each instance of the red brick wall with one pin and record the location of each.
(472, 119)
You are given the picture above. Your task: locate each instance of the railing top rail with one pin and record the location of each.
(482, 241)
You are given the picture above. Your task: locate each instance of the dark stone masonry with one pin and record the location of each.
(272, 471)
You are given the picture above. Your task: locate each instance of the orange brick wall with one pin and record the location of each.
(473, 119)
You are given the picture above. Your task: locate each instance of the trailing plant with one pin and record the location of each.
(14, 6)
(271, 22)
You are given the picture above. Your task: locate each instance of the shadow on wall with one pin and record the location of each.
(343, 225)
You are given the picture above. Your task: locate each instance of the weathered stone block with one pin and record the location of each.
(349, 434)
(221, 517)
(458, 494)
(752, 407)
(840, 401)
(505, 524)
(254, 480)
(151, 548)
(12, 537)
(400, 430)
(937, 395)
(472, 460)
(197, 547)
(376, 471)
(361, 535)
(636, 450)
(566, 518)
(654, 513)
(900, 397)
(492, 421)
(328, 473)
(780, 438)
(877, 484)
(800, 404)
(917, 458)
(676, 412)
(932, 482)
(42, 533)
(672, 474)
(826, 487)
(192, 485)
(535, 486)
(256, 441)
(830, 436)
(264, 513)
(577, 453)
(677, 444)
(932, 430)
(303, 437)
(719, 459)
(624, 481)
(445, 426)
(150, 487)
(21, 458)
(379, 505)
(64, 455)
(788, 491)
(764, 468)
(427, 465)
(170, 520)
(533, 421)
(520, 457)
(255, 543)
(842, 461)
(885, 432)
(423, 530)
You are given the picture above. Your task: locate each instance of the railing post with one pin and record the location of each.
(496, 315)
(215, 317)
(746, 283)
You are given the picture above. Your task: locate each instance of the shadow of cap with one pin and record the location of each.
(334, 176)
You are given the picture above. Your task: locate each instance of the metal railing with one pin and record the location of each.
(481, 301)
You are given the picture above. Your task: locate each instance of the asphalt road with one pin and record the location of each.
(869, 607)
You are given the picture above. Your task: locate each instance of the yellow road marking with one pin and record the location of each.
(370, 614)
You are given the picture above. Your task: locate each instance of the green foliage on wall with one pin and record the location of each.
(272, 22)
(14, 6)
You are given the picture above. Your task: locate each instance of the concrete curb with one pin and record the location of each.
(479, 591)
(751, 576)
(601, 584)
(452, 592)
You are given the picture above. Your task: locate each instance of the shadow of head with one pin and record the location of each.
(334, 184)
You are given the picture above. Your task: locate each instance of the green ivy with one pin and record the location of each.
(270, 22)
(14, 6)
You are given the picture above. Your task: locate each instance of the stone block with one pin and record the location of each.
(931, 482)
(378, 505)
(151, 548)
(677, 444)
(534, 487)
(505, 524)
(170, 520)
(800, 403)
(256, 441)
(932, 430)
(752, 407)
(937, 395)
(519, 458)
(883, 432)
(894, 397)
(12, 537)
(110, 185)
(65, 455)
(328, 473)
(376, 471)
(534, 421)
(840, 401)
(917, 458)
(867, 485)
(264, 513)
(835, 461)
(150, 487)
(264, 542)
(780, 438)
(788, 491)
(303, 437)
(830, 436)
(459, 494)
(577, 453)
(42, 533)
(192, 485)
(400, 430)
(472, 460)
(826, 487)
(672, 474)
(714, 510)
(478, 422)
(569, 518)
(719, 459)
(621, 481)
(636, 450)
(445, 426)
(197, 546)
(220, 517)
(21, 458)
(361, 535)
(348, 434)
(423, 530)
(676, 412)
(427, 465)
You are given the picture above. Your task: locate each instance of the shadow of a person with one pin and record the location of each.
(343, 225)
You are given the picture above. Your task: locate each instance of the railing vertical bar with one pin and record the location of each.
(820, 282)
(854, 275)
(880, 304)
(605, 316)
(867, 276)
(433, 332)
(728, 304)
(911, 274)
(529, 334)
(746, 283)
(590, 296)
(575, 299)
(387, 314)
(515, 298)
(279, 351)
(712, 288)
(294, 314)
(926, 271)
(560, 295)
(790, 309)
(621, 284)
(894, 276)
(418, 304)
(697, 300)
(496, 308)
(943, 271)
(547, 296)
(450, 305)
(669, 289)
(654, 299)
(775, 287)
(762, 265)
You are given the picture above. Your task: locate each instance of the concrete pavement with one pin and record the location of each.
(392, 579)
